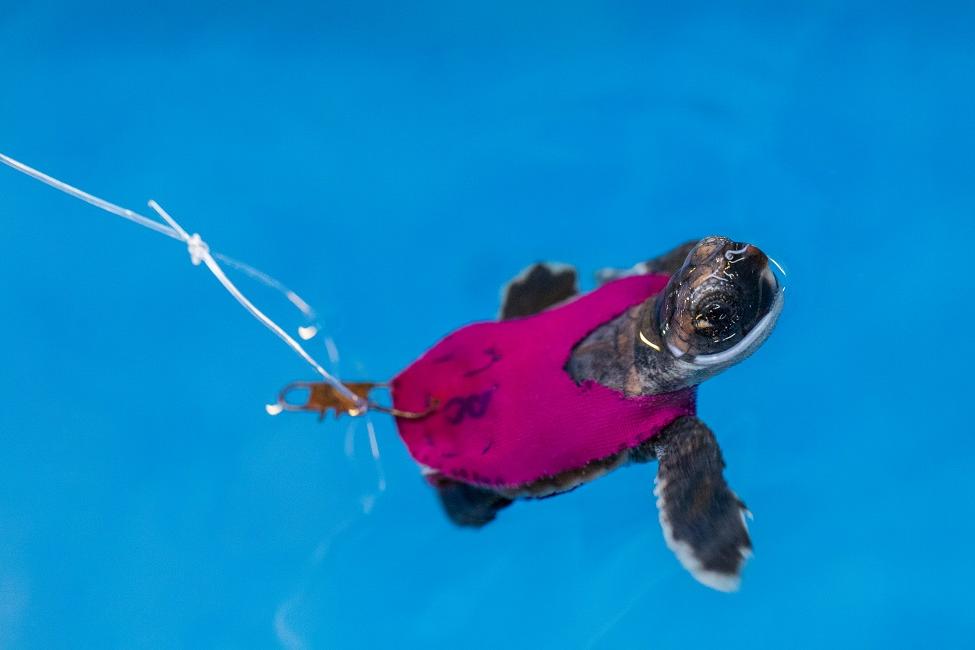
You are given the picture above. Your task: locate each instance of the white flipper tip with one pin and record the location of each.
(724, 582)
(718, 581)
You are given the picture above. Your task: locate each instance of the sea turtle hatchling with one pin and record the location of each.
(564, 388)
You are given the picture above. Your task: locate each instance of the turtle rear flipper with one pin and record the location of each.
(702, 519)
(467, 505)
(537, 288)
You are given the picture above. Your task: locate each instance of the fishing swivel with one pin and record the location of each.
(323, 397)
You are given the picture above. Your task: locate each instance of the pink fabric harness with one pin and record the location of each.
(509, 412)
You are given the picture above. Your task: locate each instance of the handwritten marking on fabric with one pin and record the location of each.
(493, 355)
(468, 406)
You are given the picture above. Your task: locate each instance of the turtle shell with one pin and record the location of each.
(509, 413)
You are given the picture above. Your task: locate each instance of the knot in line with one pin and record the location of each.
(197, 248)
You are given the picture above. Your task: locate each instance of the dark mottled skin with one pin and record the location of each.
(614, 356)
(701, 509)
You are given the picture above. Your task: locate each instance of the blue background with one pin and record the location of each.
(396, 163)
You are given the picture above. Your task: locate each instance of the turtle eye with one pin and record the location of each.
(715, 319)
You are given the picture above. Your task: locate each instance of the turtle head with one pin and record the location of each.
(719, 307)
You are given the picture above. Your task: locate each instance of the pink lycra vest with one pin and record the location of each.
(509, 413)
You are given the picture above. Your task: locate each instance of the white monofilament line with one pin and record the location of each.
(200, 252)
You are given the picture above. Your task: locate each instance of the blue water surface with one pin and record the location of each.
(396, 164)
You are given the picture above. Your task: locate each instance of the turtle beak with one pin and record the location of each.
(754, 275)
(760, 296)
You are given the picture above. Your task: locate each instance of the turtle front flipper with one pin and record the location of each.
(667, 264)
(467, 505)
(703, 520)
(537, 288)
